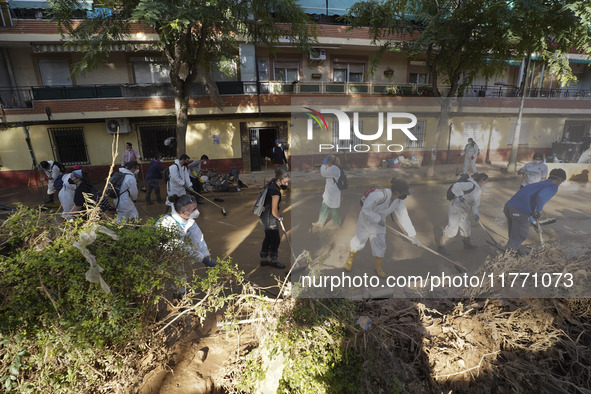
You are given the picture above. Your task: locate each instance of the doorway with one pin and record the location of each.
(262, 141)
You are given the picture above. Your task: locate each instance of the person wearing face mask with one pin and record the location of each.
(371, 225)
(534, 171)
(270, 220)
(66, 194)
(181, 220)
(466, 202)
(128, 192)
(179, 177)
(470, 153)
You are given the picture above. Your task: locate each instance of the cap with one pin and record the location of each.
(77, 167)
(77, 173)
(558, 173)
(277, 141)
(401, 186)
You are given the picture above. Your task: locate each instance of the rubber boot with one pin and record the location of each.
(274, 263)
(49, 199)
(265, 259)
(379, 269)
(349, 262)
(441, 248)
(467, 244)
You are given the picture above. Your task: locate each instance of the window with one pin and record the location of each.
(419, 132)
(55, 72)
(263, 66)
(418, 78)
(345, 144)
(150, 70)
(523, 133)
(68, 145)
(223, 70)
(348, 72)
(286, 71)
(152, 137)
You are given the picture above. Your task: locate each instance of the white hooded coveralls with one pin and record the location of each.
(372, 221)
(470, 154)
(52, 174)
(188, 233)
(127, 195)
(459, 212)
(179, 179)
(332, 194)
(66, 196)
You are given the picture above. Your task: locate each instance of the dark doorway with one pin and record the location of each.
(262, 140)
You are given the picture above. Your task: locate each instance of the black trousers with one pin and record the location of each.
(271, 242)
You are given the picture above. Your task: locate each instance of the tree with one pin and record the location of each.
(549, 29)
(459, 40)
(190, 34)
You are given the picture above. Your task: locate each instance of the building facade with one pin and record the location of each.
(48, 113)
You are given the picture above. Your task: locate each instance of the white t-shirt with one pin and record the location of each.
(533, 172)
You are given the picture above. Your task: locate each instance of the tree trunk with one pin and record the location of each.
(441, 126)
(181, 106)
(512, 165)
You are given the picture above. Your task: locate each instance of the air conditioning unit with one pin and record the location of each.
(121, 123)
(317, 54)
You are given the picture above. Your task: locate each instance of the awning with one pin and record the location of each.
(34, 5)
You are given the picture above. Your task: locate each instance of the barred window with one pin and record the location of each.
(68, 145)
(345, 144)
(157, 138)
(419, 132)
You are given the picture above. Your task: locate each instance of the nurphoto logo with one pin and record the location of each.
(345, 131)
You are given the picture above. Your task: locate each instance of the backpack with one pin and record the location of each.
(58, 183)
(342, 182)
(102, 201)
(167, 172)
(259, 205)
(115, 182)
(60, 166)
(368, 192)
(463, 178)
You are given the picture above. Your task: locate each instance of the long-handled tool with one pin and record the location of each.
(207, 199)
(457, 266)
(546, 220)
(494, 242)
(539, 231)
(287, 239)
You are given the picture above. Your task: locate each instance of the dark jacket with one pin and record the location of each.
(279, 155)
(154, 170)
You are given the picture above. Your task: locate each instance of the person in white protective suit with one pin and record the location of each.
(66, 195)
(371, 225)
(128, 192)
(466, 202)
(181, 220)
(331, 198)
(179, 178)
(52, 172)
(534, 171)
(471, 151)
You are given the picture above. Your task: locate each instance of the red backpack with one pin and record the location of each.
(370, 190)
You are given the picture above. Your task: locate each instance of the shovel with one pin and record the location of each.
(494, 242)
(457, 266)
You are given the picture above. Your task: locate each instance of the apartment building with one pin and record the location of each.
(51, 114)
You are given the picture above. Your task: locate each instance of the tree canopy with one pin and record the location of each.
(190, 33)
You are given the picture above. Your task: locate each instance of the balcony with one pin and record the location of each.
(24, 97)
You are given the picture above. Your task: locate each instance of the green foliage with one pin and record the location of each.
(315, 339)
(60, 332)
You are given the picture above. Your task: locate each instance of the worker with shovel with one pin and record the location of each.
(270, 219)
(529, 202)
(377, 205)
(466, 201)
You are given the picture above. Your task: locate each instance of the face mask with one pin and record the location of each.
(283, 187)
(195, 214)
(402, 197)
(71, 182)
(204, 162)
(484, 186)
(136, 172)
(538, 161)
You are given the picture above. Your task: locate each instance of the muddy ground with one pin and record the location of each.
(239, 235)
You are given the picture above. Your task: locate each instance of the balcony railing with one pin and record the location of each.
(24, 97)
